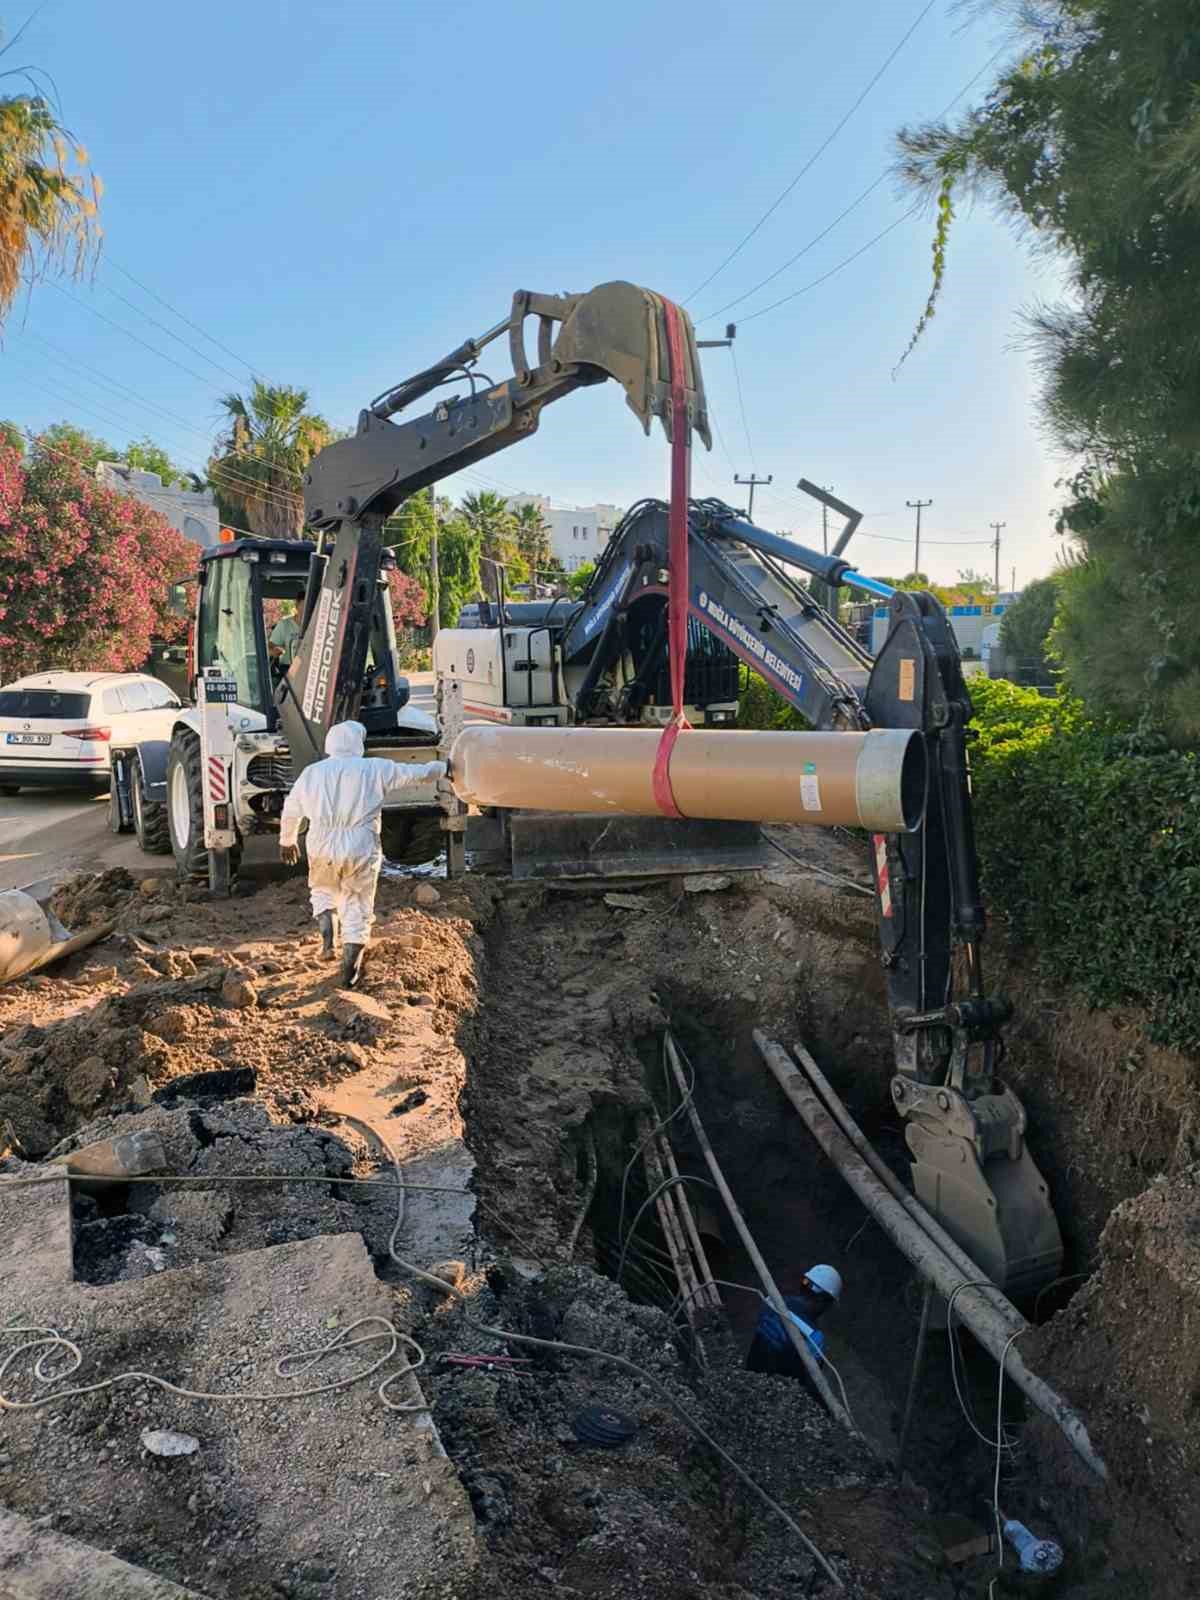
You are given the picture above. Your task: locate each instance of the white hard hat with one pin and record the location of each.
(827, 1279)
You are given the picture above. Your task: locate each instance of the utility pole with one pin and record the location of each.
(1013, 590)
(917, 506)
(828, 488)
(995, 527)
(751, 481)
(435, 587)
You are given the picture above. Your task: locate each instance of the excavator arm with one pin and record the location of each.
(615, 331)
(964, 1127)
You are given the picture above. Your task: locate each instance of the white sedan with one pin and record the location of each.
(56, 727)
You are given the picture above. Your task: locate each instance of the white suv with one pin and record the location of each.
(56, 727)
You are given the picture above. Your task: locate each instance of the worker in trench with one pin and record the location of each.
(341, 799)
(771, 1350)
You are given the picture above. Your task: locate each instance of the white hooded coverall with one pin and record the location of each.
(342, 797)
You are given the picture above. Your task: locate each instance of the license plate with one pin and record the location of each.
(28, 738)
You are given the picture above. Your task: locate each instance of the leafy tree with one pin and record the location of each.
(12, 436)
(458, 568)
(487, 514)
(82, 446)
(533, 538)
(410, 607)
(1026, 624)
(1088, 141)
(977, 586)
(85, 572)
(258, 464)
(146, 456)
(48, 197)
(578, 580)
(409, 532)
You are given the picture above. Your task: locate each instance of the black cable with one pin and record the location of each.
(816, 155)
(667, 1183)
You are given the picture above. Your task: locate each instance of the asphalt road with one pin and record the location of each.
(52, 832)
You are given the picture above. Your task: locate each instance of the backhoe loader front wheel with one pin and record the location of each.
(185, 809)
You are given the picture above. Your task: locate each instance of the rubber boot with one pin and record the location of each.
(325, 923)
(352, 964)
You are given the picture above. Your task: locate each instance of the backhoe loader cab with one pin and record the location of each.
(227, 768)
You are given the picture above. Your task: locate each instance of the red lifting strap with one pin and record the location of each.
(677, 561)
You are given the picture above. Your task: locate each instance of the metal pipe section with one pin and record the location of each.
(875, 780)
(993, 1331)
(798, 1342)
(919, 1213)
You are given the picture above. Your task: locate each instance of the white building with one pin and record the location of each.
(577, 533)
(192, 513)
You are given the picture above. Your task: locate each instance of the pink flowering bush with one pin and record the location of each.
(408, 600)
(84, 571)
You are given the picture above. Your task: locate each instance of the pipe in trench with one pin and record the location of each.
(799, 1343)
(994, 1331)
(921, 1214)
(873, 780)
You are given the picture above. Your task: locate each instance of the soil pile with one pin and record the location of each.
(190, 993)
(1125, 1350)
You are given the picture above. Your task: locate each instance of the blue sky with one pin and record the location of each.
(340, 194)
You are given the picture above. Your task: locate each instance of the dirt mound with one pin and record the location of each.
(190, 993)
(1124, 1351)
(659, 1515)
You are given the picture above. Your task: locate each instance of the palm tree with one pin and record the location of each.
(258, 463)
(487, 514)
(47, 211)
(533, 537)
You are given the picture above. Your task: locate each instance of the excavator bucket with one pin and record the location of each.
(621, 330)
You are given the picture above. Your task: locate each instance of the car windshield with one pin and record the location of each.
(43, 704)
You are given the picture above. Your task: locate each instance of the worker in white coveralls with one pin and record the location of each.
(341, 799)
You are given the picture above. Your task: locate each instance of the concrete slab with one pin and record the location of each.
(282, 1488)
(38, 1564)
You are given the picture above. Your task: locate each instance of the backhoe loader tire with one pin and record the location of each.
(185, 809)
(149, 817)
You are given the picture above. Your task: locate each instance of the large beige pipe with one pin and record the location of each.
(870, 780)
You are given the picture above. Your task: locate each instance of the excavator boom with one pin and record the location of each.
(616, 331)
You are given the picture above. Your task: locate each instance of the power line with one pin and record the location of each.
(170, 333)
(50, 284)
(853, 206)
(820, 151)
(742, 403)
(825, 276)
(791, 261)
(195, 326)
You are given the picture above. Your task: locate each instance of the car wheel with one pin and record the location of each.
(149, 818)
(9, 789)
(185, 809)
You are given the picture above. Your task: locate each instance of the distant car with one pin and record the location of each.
(56, 727)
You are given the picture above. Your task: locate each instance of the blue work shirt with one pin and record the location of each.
(771, 1328)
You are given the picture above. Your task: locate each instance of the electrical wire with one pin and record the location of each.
(667, 1183)
(170, 333)
(816, 155)
(508, 1336)
(825, 276)
(854, 204)
(742, 403)
(145, 288)
(980, 1283)
(658, 1127)
(137, 339)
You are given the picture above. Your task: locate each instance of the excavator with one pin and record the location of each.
(604, 659)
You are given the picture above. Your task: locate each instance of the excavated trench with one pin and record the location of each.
(567, 1059)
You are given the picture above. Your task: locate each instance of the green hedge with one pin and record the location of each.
(760, 706)
(1089, 844)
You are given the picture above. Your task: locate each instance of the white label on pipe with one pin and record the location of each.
(810, 793)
